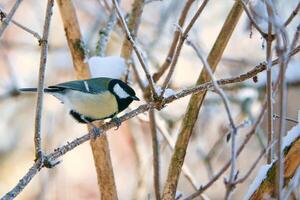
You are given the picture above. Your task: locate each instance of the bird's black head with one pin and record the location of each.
(123, 93)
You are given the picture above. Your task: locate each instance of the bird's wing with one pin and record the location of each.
(94, 85)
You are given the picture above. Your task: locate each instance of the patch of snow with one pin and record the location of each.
(262, 174)
(291, 136)
(110, 66)
(168, 92)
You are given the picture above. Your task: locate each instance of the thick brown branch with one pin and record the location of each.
(100, 148)
(195, 103)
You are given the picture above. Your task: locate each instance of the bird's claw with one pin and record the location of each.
(118, 122)
(96, 132)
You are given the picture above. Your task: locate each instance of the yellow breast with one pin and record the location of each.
(96, 106)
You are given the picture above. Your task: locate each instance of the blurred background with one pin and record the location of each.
(130, 145)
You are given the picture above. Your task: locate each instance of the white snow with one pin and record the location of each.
(168, 92)
(291, 136)
(110, 66)
(262, 174)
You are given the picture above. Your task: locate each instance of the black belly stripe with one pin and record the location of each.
(85, 119)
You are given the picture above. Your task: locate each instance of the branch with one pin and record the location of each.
(183, 36)
(136, 49)
(100, 148)
(3, 15)
(58, 152)
(195, 103)
(293, 15)
(269, 86)
(155, 149)
(169, 58)
(291, 163)
(8, 18)
(40, 89)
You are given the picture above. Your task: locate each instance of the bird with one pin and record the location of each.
(92, 99)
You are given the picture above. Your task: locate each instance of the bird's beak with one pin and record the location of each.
(135, 98)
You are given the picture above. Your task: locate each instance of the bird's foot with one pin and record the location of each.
(117, 121)
(95, 132)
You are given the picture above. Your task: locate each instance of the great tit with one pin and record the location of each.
(92, 99)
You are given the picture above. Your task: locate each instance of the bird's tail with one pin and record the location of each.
(48, 90)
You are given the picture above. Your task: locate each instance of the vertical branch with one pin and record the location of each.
(135, 47)
(183, 35)
(8, 18)
(195, 103)
(133, 26)
(105, 33)
(40, 90)
(100, 146)
(74, 39)
(176, 37)
(269, 88)
(155, 149)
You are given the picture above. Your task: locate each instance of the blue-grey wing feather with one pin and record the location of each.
(94, 85)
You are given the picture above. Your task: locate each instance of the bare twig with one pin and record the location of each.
(40, 90)
(185, 169)
(24, 181)
(9, 17)
(269, 87)
(136, 49)
(247, 174)
(183, 36)
(196, 101)
(35, 34)
(176, 37)
(282, 51)
(287, 119)
(293, 15)
(104, 34)
(263, 34)
(227, 165)
(229, 114)
(155, 149)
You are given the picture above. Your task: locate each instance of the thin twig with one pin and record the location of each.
(227, 165)
(282, 51)
(269, 88)
(155, 149)
(263, 34)
(35, 34)
(169, 58)
(228, 111)
(183, 36)
(287, 119)
(293, 15)
(104, 34)
(136, 49)
(9, 17)
(263, 152)
(40, 89)
(185, 169)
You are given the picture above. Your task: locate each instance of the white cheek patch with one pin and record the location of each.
(122, 94)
